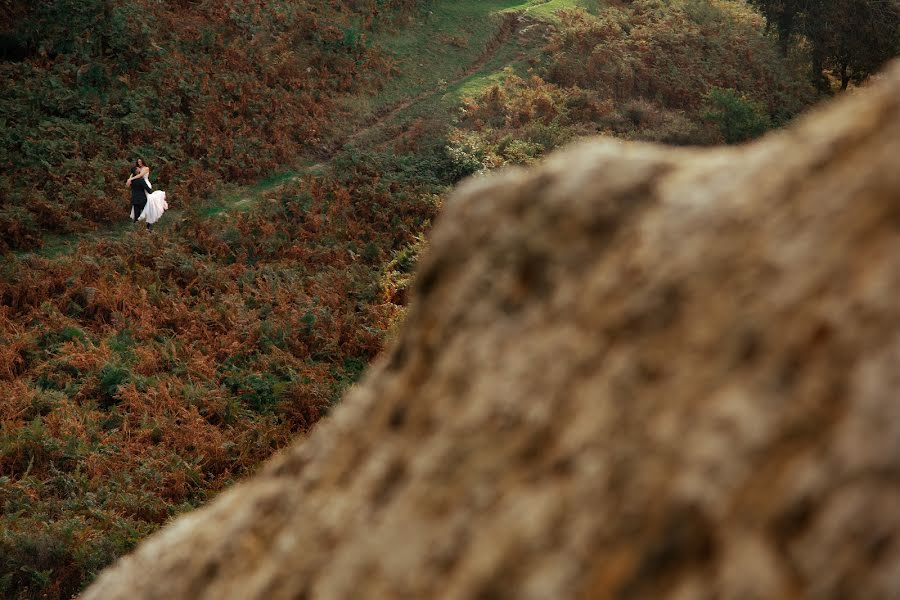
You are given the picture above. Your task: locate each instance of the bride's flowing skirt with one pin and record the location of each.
(156, 206)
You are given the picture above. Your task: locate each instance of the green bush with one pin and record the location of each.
(739, 119)
(112, 376)
(467, 157)
(260, 392)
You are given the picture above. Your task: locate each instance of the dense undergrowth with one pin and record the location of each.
(141, 374)
(208, 91)
(695, 72)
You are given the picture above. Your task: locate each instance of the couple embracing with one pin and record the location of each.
(145, 203)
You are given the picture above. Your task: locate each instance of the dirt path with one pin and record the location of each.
(507, 27)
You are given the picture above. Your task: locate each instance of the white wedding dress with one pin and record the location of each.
(156, 205)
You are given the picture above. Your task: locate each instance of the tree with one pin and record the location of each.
(863, 36)
(781, 15)
(853, 38)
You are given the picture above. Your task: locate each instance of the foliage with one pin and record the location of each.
(211, 91)
(673, 53)
(139, 376)
(693, 72)
(853, 38)
(738, 118)
(143, 373)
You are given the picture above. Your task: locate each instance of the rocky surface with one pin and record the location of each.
(635, 372)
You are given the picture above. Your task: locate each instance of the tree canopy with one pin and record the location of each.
(852, 38)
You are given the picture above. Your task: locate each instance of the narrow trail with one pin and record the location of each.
(506, 29)
(510, 21)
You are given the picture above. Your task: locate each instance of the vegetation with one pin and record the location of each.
(851, 38)
(737, 118)
(688, 73)
(211, 90)
(142, 373)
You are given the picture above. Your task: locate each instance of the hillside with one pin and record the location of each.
(142, 374)
(211, 90)
(591, 398)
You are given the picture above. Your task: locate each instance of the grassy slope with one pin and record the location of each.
(141, 374)
(434, 54)
(433, 65)
(278, 293)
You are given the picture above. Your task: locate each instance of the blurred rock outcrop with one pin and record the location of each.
(634, 372)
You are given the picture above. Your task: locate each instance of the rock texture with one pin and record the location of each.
(635, 372)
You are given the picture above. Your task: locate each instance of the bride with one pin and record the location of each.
(156, 201)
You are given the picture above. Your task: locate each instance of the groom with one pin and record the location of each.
(139, 191)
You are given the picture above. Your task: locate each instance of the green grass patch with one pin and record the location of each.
(446, 37)
(243, 198)
(547, 9)
(272, 181)
(508, 61)
(438, 45)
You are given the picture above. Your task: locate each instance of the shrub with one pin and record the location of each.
(673, 54)
(739, 119)
(466, 156)
(112, 376)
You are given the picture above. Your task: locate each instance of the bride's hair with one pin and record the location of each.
(140, 162)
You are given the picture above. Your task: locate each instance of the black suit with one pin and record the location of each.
(139, 191)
